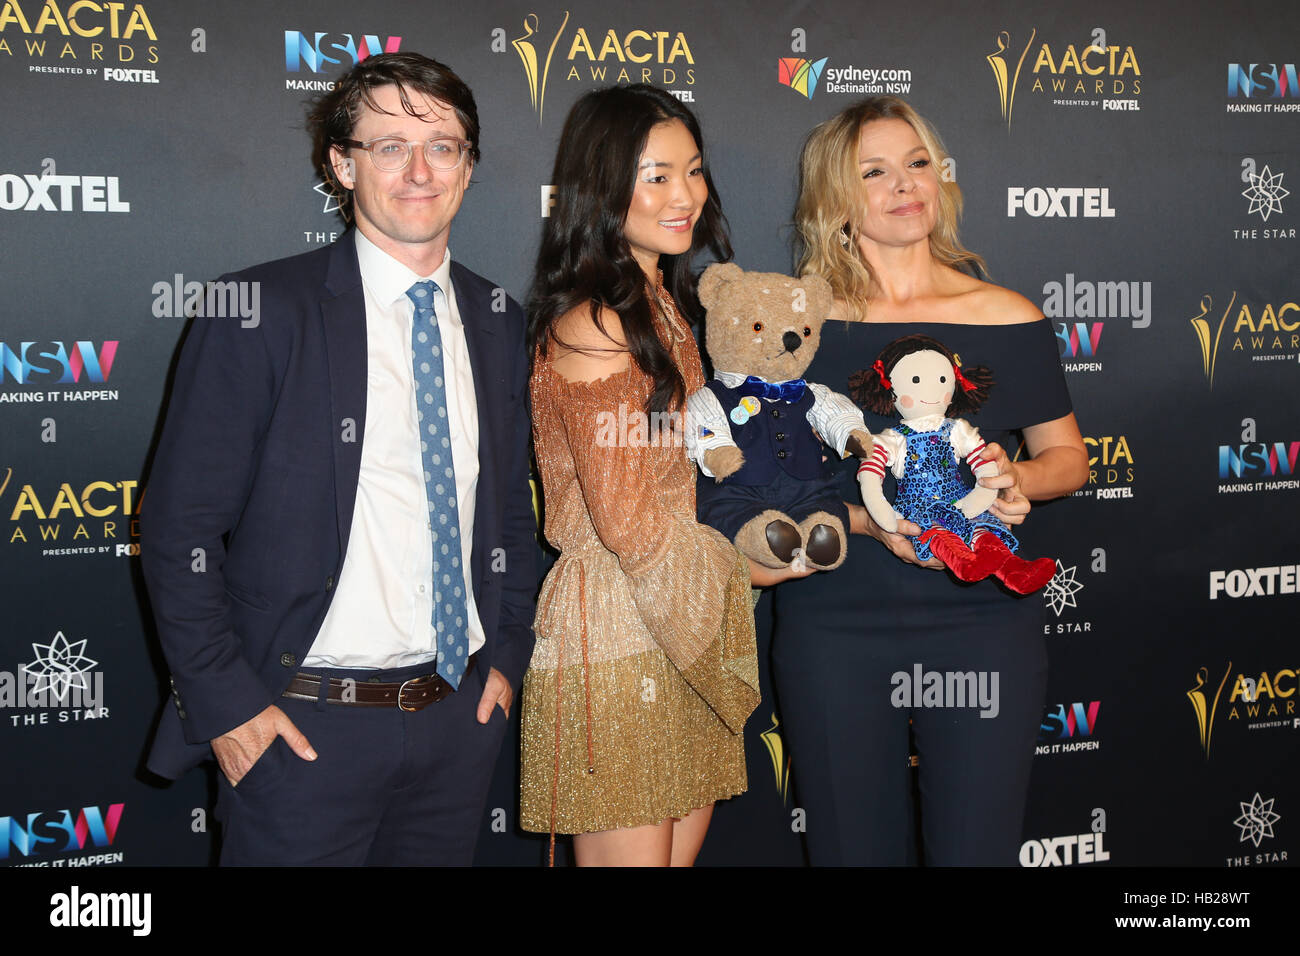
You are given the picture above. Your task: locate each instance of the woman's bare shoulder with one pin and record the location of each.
(988, 304)
(582, 351)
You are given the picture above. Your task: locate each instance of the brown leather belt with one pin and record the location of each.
(410, 695)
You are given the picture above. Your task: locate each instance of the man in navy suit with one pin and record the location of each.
(338, 539)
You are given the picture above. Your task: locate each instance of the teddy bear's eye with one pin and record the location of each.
(758, 326)
(916, 380)
(807, 331)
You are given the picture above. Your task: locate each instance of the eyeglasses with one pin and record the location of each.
(390, 153)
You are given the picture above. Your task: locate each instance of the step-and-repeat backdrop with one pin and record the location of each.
(1129, 168)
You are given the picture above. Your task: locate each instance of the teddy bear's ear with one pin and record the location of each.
(714, 278)
(819, 295)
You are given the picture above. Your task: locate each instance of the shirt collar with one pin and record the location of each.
(387, 279)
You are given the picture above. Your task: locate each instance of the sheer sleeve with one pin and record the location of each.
(689, 583)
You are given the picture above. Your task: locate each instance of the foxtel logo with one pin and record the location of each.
(1254, 582)
(1070, 202)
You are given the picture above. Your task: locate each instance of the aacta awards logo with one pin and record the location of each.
(1260, 332)
(1111, 468)
(1263, 702)
(780, 759)
(1097, 74)
(638, 55)
(100, 518)
(80, 38)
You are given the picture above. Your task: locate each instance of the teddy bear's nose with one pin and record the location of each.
(791, 341)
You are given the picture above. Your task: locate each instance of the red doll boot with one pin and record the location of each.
(965, 564)
(1021, 576)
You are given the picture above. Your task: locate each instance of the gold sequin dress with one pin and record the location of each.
(645, 667)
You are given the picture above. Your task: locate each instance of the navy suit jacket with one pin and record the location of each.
(250, 499)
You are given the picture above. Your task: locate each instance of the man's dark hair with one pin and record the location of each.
(333, 116)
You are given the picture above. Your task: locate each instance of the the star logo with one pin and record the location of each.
(60, 666)
(1060, 591)
(331, 199)
(1256, 820)
(1266, 193)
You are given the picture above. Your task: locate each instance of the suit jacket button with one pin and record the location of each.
(288, 660)
(776, 413)
(781, 453)
(780, 436)
(329, 583)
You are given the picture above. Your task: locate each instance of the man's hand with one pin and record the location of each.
(496, 690)
(237, 750)
(1010, 505)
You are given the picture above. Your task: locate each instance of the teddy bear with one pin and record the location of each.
(921, 379)
(763, 482)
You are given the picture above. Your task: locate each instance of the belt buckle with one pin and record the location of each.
(401, 690)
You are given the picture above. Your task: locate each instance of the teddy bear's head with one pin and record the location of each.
(762, 323)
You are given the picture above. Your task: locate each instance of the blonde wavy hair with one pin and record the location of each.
(830, 194)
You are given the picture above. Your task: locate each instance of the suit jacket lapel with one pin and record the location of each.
(480, 338)
(343, 323)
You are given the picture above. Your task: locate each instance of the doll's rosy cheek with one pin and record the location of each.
(947, 399)
(906, 401)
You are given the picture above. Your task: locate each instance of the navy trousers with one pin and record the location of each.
(850, 747)
(388, 788)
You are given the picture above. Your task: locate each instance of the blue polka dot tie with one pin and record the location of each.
(449, 608)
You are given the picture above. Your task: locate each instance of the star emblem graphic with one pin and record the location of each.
(1060, 591)
(1256, 820)
(1266, 193)
(331, 200)
(60, 666)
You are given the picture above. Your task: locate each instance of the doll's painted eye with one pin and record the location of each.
(807, 331)
(916, 380)
(758, 326)
(943, 379)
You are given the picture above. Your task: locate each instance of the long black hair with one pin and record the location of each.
(868, 387)
(584, 257)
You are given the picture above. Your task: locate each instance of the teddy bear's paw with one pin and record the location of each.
(825, 549)
(770, 539)
(783, 538)
(823, 536)
(724, 461)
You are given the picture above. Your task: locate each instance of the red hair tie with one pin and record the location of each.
(880, 370)
(966, 384)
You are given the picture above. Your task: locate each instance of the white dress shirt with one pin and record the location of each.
(383, 605)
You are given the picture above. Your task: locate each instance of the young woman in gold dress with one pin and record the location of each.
(644, 671)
